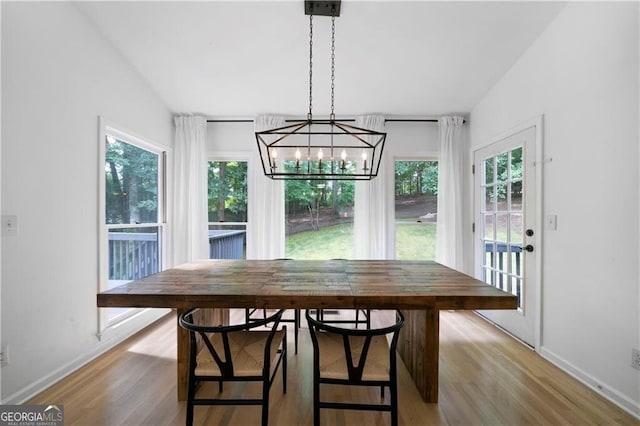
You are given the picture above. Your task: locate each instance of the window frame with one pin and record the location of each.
(108, 128)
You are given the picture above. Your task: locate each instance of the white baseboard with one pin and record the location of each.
(622, 401)
(108, 341)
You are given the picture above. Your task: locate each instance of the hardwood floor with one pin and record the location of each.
(486, 378)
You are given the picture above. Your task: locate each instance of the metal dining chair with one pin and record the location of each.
(235, 353)
(355, 357)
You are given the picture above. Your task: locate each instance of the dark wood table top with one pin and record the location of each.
(375, 284)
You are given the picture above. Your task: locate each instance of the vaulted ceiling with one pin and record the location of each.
(241, 58)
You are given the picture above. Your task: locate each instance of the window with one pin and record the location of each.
(416, 207)
(227, 209)
(319, 219)
(132, 211)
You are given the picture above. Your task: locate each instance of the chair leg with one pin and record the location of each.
(393, 390)
(189, 421)
(296, 327)
(316, 398)
(191, 393)
(316, 410)
(265, 403)
(284, 364)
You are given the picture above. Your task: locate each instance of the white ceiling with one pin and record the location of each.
(241, 58)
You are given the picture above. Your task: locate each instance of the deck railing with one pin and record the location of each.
(132, 255)
(135, 255)
(504, 252)
(226, 244)
(498, 260)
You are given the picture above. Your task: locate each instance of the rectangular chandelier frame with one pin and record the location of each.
(320, 150)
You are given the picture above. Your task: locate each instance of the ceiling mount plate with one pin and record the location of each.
(324, 8)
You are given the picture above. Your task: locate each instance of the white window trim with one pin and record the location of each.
(135, 315)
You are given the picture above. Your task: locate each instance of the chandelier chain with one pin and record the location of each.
(333, 65)
(310, 65)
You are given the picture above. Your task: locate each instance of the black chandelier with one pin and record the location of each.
(321, 149)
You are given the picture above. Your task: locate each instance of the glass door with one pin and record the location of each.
(505, 235)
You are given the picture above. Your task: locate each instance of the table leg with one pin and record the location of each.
(183, 360)
(207, 316)
(419, 349)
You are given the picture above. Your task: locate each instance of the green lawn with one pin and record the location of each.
(332, 242)
(413, 241)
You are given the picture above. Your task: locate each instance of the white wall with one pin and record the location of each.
(58, 76)
(582, 75)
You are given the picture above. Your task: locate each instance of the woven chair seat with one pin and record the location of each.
(333, 363)
(247, 353)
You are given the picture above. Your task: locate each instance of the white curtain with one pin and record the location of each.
(190, 240)
(265, 228)
(371, 205)
(449, 235)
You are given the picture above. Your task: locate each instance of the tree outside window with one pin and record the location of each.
(416, 208)
(319, 219)
(227, 209)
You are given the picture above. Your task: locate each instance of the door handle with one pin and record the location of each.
(528, 248)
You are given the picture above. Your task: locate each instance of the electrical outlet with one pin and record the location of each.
(4, 356)
(9, 226)
(635, 358)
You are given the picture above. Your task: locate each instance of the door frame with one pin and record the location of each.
(537, 123)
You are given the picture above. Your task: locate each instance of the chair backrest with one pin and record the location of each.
(355, 368)
(207, 333)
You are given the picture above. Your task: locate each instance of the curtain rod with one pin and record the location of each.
(404, 120)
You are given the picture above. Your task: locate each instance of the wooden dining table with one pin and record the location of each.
(419, 288)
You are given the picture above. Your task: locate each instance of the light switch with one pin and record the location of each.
(551, 222)
(9, 226)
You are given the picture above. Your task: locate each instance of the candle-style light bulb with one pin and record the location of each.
(320, 155)
(298, 155)
(274, 155)
(343, 165)
(364, 160)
